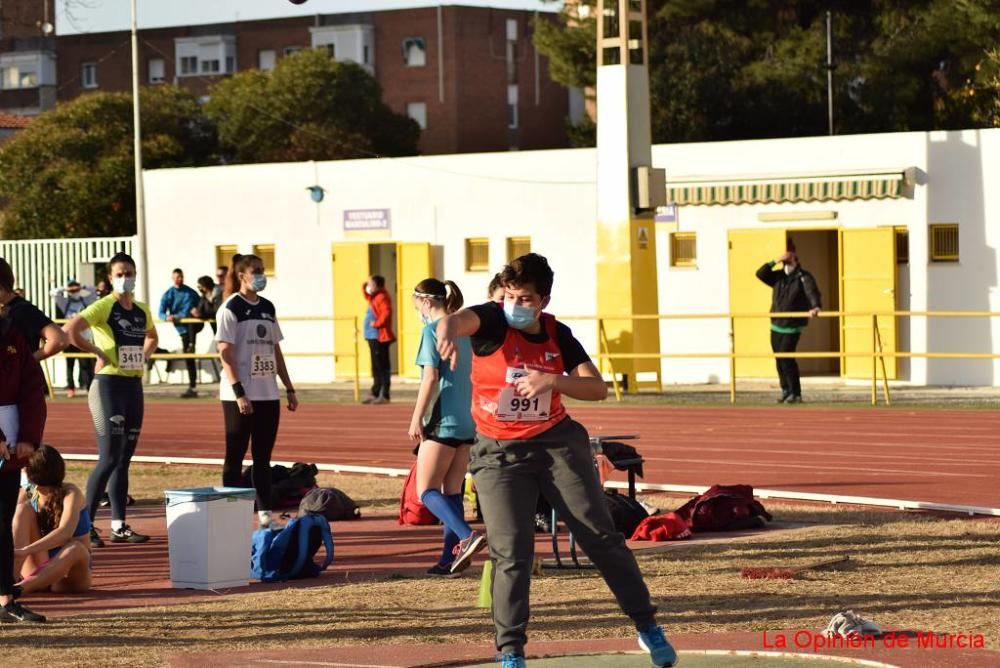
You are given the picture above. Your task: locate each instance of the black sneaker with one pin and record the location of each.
(784, 397)
(467, 549)
(15, 612)
(126, 535)
(190, 393)
(794, 399)
(95, 538)
(442, 570)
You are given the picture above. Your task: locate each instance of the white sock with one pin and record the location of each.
(117, 525)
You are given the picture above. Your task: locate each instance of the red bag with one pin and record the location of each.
(411, 510)
(662, 527)
(724, 508)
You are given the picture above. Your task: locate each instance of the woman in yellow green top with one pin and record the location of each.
(124, 338)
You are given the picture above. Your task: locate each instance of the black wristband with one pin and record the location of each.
(238, 390)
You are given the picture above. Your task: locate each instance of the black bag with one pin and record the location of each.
(331, 503)
(626, 512)
(288, 485)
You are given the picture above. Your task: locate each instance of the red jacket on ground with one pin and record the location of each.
(381, 306)
(23, 385)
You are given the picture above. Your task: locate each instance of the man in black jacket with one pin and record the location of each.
(793, 290)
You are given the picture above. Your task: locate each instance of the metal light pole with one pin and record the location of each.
(829, 71)
(142, 282)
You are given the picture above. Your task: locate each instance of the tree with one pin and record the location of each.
(722, 69)
(570, 45)
(71, 174)
(310, 107)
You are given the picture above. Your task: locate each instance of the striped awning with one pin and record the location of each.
(892, 184)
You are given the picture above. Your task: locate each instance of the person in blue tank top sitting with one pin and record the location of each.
(51, 529)
(442, 426)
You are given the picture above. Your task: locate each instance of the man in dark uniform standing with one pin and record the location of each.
(793, 289)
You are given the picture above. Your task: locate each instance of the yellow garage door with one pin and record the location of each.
(748, 250)
(868, 285)
(350, 271)
(413, 264)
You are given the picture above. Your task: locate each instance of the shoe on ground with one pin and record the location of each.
(442, 570)
(70, 393)
(794, 399)
(95, 538)
(126, 535)
(467, 549)
(661, 652)
(513, 661)
(15, 612)
(190, 393)
(370, 399)
(784, 397)
(380, 400)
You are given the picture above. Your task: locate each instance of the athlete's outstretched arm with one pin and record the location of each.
(451, 327)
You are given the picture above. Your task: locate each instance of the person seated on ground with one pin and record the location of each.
(51, 529)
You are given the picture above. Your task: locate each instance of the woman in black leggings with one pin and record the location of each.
(249, 338)
(124, 338)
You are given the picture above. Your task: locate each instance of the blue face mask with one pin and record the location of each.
(259, 282)
(519, 317)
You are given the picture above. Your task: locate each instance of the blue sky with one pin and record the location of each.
(85, 16)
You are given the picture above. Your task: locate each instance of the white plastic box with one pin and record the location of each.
(208, 535)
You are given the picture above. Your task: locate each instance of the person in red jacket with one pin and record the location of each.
(22, 420)
(380, 306)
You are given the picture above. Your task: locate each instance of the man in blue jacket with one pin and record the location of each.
(178, 303)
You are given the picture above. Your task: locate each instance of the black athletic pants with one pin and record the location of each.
(189, 337)
(86, 370)
(9, 486)
(381, 368)
(259, 429)
(788, 368)
(116, 405)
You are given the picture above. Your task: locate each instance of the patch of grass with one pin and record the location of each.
(907, 571)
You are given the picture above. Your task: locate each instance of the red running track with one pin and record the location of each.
(936, 456)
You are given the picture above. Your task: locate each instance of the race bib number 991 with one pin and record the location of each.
(131, 358)
(263, 366)
(515, 408)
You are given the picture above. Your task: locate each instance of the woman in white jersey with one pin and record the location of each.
(249, 339)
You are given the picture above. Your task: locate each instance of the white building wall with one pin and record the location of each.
(546, 195)
(550, 196)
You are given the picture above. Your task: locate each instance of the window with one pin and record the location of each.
(944, 243)
(224, 255)
(418, 112)
(477, 254)
(88, 75)
(292, 50)
(683, 249)
(266, 60)
(157, 71)
(517, 246)
(353, 43)
(512, 106)
(902, 246)
(209, 55)
(511, 30)
(266, 254)
(414, 52)
(27, 69)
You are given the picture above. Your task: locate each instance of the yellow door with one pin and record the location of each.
(350, 271)
(748, 250)
(867, 285)
(413, 264)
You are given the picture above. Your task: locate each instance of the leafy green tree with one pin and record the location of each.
(70, 173)
(310, 107)
(728, 69)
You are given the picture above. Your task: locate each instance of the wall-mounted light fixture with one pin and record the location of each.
(316, 193)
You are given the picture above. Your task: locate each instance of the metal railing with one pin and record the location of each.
(334, 354)
(877, 351)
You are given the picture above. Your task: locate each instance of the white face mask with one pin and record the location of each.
(369, 291)
(123, 284)
(789, 268)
